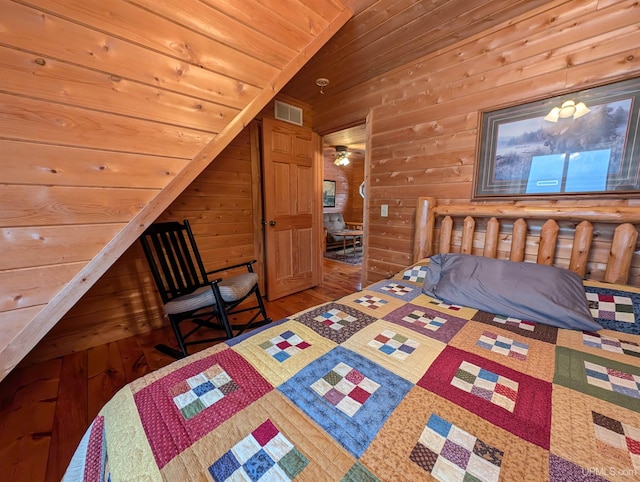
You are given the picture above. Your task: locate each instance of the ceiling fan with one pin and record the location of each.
(341, 156)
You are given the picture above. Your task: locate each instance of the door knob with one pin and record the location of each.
(272, 223)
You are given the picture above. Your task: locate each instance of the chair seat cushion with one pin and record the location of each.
(334, 238)
(231, 289)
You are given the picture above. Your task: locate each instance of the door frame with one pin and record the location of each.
(257, 200)
(367, 122)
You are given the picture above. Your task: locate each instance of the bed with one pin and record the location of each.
(390, 383)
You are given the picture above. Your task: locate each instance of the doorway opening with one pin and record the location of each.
(343, 195)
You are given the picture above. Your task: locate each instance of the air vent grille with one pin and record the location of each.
(288, 113)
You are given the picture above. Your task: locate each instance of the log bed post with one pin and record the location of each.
(425, 227)
(548, 241)
(581, 248)
(621, 253)
(518, 240)
(491, 239)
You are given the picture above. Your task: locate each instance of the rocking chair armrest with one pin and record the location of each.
(239, 265)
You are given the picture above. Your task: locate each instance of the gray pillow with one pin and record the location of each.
(528, 291)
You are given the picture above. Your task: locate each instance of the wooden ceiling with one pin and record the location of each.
(385, 34)
(354, 138)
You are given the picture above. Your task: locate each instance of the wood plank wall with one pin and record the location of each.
(355, 209)
(108, 106)
(124, 302)
(223, 205)
(424, 116)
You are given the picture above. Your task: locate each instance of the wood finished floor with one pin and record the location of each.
(45, 408)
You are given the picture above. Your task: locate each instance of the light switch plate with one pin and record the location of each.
(384, 210)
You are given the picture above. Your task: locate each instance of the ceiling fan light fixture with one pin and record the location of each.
(342, 156)
(581, 109)
(568, 109)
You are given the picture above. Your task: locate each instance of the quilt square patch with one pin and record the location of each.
(335, 318)
(394, 344)
(419, 319)
(615, 309)
(612, 379)
(224, 383)
(284, 346)
(503, 345)
(623, 438)
(532, 357)
(611, 307)
(376, 393)
(610, 343)
(276, 360)
(425, 321)
(599, 377)
(396, 289)
(521, 405)
(201, 391)
(390, 452)
(371, 302)
(530, 329)
(515, 322)
(382, 342)
(265, 454)
(345, 388)
(416, 274)
(449, 453)
(593, 441)
(487, 385)
(435, 304)
(335, 321)
(269, 437)
(446, 306)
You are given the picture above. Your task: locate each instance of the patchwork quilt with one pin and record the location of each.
(387, 384)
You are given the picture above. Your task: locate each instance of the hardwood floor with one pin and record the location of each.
(45, 408)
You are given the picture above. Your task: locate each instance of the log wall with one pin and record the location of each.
(424, 116)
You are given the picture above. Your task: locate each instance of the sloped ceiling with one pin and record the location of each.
(385, 34)
(108, 110)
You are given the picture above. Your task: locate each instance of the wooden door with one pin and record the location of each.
(290, 204)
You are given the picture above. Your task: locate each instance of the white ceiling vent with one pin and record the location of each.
(288, 113)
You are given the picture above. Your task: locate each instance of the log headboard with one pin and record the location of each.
(598, 243)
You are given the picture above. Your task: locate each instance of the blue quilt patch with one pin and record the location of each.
(614, 309)
(396, 288)
(348, 395)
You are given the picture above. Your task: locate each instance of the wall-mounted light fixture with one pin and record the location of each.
(568, 109)
(342, 156)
